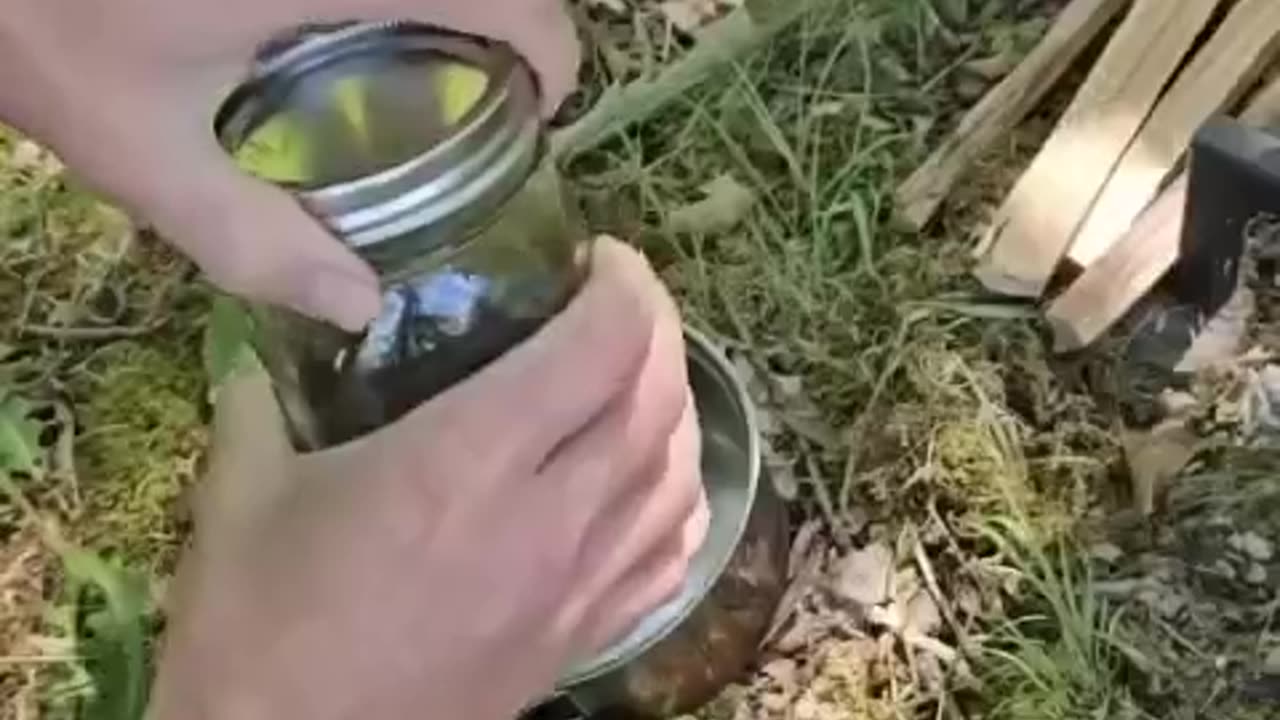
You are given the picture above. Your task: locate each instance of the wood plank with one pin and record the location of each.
(1232, 60)
(1081, 314)
(1110, 287)
(1038, 220)
(920, 196)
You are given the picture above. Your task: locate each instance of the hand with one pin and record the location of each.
(125, 93)
(450, 565)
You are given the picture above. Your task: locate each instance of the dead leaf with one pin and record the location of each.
(805, 542)
(866, 576)
(1256, 574)
(689, 15)
(1106, 552)
(1155, 457)
(1223, 337)
(783, 672)
(923, 616)
(616, 6)
(996, 66)
(1253, 545)
(1262, 404)
(782, 474)
(801, 414)
(726, 203)
(30, 156)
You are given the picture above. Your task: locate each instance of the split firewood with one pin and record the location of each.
(920, 196)
(1040, 217)
(1221, 72)
(1115, 283)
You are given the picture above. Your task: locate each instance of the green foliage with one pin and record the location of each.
(147, 436)
(227, 348)
(19, 435)
(104, 609)
(1065, 656)
(112, 636)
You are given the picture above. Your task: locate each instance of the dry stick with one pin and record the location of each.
(725, 40)
(1035, 225)
(1222, 71)
(1112, 285)
(919, 198)
(935, 591)
(91, 334)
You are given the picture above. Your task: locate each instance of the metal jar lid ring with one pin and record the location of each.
(380, 129)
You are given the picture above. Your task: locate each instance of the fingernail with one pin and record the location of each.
(348, 302)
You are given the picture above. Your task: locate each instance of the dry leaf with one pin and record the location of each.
(1262, 404)
(922, 616)
(1223, 337)
(726, 203)
(28, 155)
(689, 15)
(1155, 457)
(782, 475)
(866, 576)
(616, 6)
(996, 66)
(1253, 545)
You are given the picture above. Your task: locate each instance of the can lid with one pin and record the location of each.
(383, 128)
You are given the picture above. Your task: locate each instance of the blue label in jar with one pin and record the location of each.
(419, 314)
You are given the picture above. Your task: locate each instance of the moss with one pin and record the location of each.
(143, 439)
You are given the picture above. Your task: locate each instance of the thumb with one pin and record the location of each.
(252, 238)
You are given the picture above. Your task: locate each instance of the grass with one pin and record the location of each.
(900, 396)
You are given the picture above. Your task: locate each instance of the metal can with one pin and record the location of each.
(425, 152)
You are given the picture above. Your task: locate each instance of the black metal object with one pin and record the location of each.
(1234, 177)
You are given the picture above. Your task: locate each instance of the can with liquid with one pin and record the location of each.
(425, 152)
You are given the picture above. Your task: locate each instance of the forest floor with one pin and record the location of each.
(970, 541)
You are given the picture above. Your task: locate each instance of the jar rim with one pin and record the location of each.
(484, 157)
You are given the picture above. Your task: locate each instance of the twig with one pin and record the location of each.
(64, 451)
(935, 591)
(839, 531)
(725, 40)
(859, 426)
(105, 333)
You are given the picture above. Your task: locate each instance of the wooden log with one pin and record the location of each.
(1225, 68)
(920, 196)
(1131, 267)
(1040, 217)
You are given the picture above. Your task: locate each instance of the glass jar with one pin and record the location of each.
(425, 153)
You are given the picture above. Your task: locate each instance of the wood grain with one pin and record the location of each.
(1038, 220)
(920, 196)
(1131, 267)
(1225, 68)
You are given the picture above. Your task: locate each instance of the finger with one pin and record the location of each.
(250, 460)
(551, 386)
(542, 31)
(650, 585)
(654, 511)
(249, 237)
(665, 493)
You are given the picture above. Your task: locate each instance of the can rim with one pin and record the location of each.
(492, 149)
